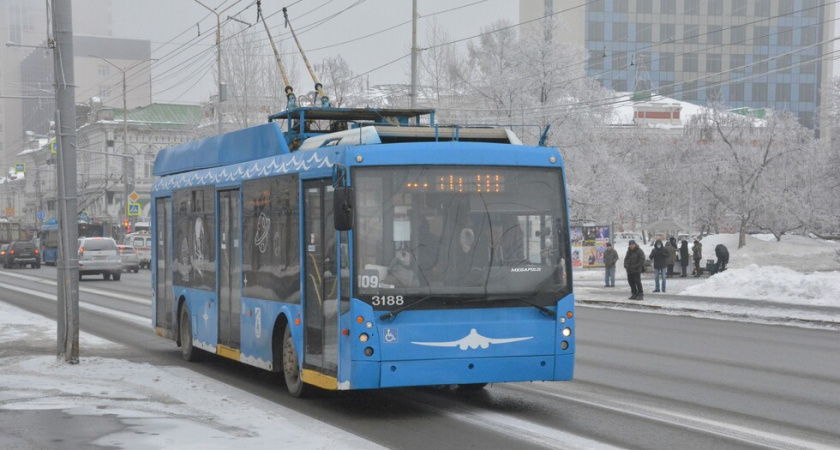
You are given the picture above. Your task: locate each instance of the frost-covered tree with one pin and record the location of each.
(341, 85)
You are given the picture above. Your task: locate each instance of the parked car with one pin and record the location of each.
(3, 250)
(21, 253)
(99, 256)
(128, 257)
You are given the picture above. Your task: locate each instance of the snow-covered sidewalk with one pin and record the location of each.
(120, 404)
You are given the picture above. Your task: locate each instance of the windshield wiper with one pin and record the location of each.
(542, 308)
(521, 299)
(392, 314)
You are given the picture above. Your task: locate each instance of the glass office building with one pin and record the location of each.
(743, 53)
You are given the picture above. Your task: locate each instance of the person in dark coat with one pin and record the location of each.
(722, 254)
(671, 248)
(660, 263)
(610, 258)
(684, 258)
(697, 253)
(634, 264)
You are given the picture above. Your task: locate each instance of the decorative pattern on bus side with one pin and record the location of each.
(212, 176)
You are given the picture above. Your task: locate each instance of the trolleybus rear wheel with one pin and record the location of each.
(291, 370)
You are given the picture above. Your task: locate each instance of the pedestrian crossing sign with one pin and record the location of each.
(133, 209)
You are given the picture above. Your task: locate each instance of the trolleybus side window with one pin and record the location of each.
(195, 231)
(271, 249)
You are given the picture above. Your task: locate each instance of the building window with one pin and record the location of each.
(689, 90)
(739, 7)
(667, 32)
(619, 60)
(691, 35)
(104, 91)
(619, 32)
(619, 85)
(737, 63)
(621, 6)
(597, 6)
(783, 92)
(760, 64)
(644, 6)
(715, 7)
(596, 60)
(810, 8)
(668, 7)
(807, 92)
(715, 34)
(785, 36)
(644, 33)
(713, 93)
(761, 36)
(104, 71)
(808, 36)
(738, 34)
(762, 8)
(666, 62)
(807, 64)
(691, 7)
(786, 7)
(759, 92)
(736, 92)
(784, 63)
(690, 62)
(713, 63)
(596, 31)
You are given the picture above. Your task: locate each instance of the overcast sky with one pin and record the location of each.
(162, 21)
(345, 25)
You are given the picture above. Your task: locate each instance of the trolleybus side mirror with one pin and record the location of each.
(343, 206)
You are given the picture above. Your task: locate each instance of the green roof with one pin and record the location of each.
(162, 113)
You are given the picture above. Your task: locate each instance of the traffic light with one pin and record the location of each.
(127, 225)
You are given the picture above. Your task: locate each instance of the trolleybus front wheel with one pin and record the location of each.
(291, 370)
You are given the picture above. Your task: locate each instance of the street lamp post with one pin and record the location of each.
(218, 56)
(128, 174)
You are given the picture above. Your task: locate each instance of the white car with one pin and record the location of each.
(99, 256)
(129, 259)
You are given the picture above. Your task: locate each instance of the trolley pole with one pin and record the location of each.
(414, 53)
(65, 130)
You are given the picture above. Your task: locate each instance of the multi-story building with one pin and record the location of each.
(742, 53)
(107, 158)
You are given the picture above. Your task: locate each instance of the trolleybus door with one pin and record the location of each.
(164, 313)
(321, 280)
(229, 268)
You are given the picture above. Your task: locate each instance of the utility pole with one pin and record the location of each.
(65, 131)
(413, 53)
(128, 171)
(218, 56)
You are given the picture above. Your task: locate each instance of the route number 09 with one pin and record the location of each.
(369, 281)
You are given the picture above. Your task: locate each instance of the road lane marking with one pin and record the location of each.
(139, 320)
(129, 298)
(703, 425)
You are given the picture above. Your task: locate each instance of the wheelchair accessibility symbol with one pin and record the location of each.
(391, 335)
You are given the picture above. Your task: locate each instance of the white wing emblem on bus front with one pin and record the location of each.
(473, 341)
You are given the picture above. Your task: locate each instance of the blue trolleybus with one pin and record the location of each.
(49, 238)
(364, 249)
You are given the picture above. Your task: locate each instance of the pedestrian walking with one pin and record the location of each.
(671, 248)
(610, 258)
(697, 254)
(660, 264)
(634, 264)
(684, 254)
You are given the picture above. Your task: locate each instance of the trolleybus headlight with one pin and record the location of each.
(363, 337)
(567, 331)
(369, 325)
(564, 345)
(562, 320)
(368, 351)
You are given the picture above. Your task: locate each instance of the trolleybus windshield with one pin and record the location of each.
(455, 233)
